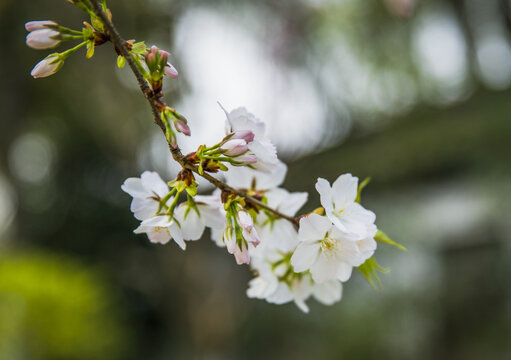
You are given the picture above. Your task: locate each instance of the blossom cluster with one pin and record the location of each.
(294, 257)
(292, 262)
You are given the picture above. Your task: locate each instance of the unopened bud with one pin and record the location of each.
(48, 66)
(171, 71)
(234, 147)
(246, 135)
(182, 127)
(246, 159)
(39, 24)
(43, 39)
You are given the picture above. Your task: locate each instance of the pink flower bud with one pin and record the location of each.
(246, 159)
(182, 127)
(43, 39)
(246, 135)
(38, 25)
(46, 67)
(245, 220)
(247, 224)
(171, 71)
(234, 147)
(241, 255)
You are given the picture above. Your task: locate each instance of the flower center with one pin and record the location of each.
(159, 229)
(330, 247)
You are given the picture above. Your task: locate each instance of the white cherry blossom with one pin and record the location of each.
(161, 229)
(276, 232)
(146, 192)
(325, 250)
(277, 283)
(339, 203)
(193, 221)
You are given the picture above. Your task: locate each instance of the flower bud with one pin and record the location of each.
(48, 66)
(247, 224)
(246, 159)
(246, 135)
(170, 71)
(182, 127)
(245, 220)
(43, 39)
(234, 147)
(38, 25)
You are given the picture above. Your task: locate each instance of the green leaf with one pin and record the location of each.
(90, 49)
(138, 48)
(381, 237)
(370, 271)
(191, 190)
(362, 185)
(121, 61)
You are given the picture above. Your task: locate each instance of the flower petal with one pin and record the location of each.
(304, 256)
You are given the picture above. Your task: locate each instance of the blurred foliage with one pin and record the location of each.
(53, 308)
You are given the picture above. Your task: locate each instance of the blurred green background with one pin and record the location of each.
(415, 94)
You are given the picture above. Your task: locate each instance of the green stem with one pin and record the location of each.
(68, 52)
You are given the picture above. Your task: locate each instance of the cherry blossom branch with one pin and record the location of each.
(155, 104)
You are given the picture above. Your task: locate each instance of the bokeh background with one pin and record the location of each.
(414, 93)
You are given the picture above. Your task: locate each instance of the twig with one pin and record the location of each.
(119, 43)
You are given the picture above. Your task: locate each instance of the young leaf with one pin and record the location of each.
(381, 237)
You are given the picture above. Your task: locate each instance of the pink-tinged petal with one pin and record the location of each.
(43, 39)
(247, 135)
(234, 147)
(39, 24)
(46, 67)
(313, 227)
(304, 256)
(171, 71)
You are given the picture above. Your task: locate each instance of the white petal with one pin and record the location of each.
(304, 256)
(153, 182)
(191, 225)
(344, 271)
(328, 292)
(177, 235)
(143, 208)
(323, 269)
(325, 193)
(313, 227)
(286, 202)
(344, 190)
(244, 177)
(134, 187)
(281, 296)
(302, 305)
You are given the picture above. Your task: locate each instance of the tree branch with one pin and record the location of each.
(119, 44)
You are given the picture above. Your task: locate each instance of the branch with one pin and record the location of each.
(119, 44)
